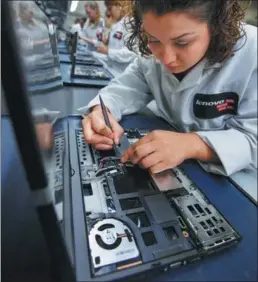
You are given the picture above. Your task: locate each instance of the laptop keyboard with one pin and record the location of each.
(91, 72)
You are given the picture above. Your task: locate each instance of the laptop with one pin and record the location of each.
(131, 222)
(81, 54)
(85, 66)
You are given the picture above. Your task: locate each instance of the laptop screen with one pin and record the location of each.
(37, 46)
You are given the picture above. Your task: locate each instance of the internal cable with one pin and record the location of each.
(104, 169)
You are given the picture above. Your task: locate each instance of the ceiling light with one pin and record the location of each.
(74, 6)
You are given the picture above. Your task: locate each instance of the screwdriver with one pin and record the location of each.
(108, 124)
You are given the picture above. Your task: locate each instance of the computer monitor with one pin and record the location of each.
(31, 66)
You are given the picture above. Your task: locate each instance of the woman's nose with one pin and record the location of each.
(167, 55)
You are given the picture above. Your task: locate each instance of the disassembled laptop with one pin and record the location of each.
(134, 217)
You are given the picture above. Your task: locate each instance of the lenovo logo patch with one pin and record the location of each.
(198, 102)
(208, 106)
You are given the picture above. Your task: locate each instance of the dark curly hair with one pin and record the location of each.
(224, 18)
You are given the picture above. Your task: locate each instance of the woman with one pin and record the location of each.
(33, 32)
(93, 25)
(117, 56)
(200, 65)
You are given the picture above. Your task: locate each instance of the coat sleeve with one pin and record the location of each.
(126, 94)
(123, 55)
(236, 146)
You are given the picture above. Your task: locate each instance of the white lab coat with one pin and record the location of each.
(202, 102)
(76, 28)
(119, 56)
(90, 31)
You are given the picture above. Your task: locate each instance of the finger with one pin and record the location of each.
(92, 137)
(117, 130)
(98, 139)
(99, 126)
(150, 161)
(103, 147)
(128, 153)
(159, 167)
(86, 129)
(126, 156)
(145, 139)
(141, 152)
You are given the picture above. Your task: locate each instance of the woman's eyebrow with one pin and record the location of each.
(182, 35)
(174, 38)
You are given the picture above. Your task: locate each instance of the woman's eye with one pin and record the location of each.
(181, 44)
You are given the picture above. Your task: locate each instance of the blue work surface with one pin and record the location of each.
(22, 241)
(68, 80)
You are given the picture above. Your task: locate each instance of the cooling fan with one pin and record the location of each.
(111, 241)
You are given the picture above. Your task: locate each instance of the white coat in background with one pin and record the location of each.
(218, 102)
(91, 31)
(76, 28)
(119, 56)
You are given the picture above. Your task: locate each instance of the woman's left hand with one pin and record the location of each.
(102, 49)
(161, 150)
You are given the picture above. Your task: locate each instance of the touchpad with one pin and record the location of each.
(160, 208)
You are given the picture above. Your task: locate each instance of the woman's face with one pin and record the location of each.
(176, 39)
(91, 13)
(27, 14)
(115, 12)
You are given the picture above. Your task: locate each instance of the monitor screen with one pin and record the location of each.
(37, 38)
(31, 70)
(36, 44)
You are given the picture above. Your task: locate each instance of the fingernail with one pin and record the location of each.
(110, 142)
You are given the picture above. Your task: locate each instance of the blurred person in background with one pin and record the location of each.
(117, 55)
(108, 21)
(93, 25)
(34, 31)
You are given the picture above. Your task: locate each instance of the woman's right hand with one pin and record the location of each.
(97, 133)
